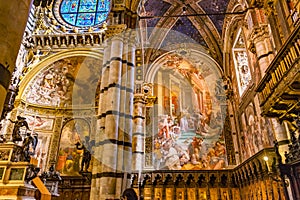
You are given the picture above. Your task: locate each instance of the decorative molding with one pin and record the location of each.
(113, 30)
(68, 40)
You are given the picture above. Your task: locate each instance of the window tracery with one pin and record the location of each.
(241, 63)
(82, 13)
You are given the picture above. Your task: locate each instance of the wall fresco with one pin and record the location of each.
(69, 158)
(67, 81)
(189, 132)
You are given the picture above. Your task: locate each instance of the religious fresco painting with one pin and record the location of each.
(190, 121)
(256, 133)
(69, 157)
(69, 81)
(241, 63)
(39, 123)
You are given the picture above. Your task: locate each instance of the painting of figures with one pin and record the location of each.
(65, 82)
(188, 148)
(36, 122)
(69, 157)
(190, 113)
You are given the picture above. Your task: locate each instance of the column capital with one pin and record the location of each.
(113, 30)
(150, 100)
(139, 98)
(258, 33)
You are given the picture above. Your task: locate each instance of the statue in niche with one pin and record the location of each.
(21, 121)
(28, 142)
(87, 156)
(31, 173)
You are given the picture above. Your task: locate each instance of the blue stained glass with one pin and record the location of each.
(74, 6)
(103, 5)
(84, 12)
(88, 6)
(85, 19)
(70, 18)
(100, 17)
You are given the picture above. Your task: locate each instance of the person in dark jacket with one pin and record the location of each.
(129, 194)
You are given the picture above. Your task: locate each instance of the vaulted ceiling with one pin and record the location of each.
(200, 22)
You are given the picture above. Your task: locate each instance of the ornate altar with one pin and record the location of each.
(14, 174)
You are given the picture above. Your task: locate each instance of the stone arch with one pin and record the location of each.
(196, 54)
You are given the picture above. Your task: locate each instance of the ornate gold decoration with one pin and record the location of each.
(113, 30)
(147, 89)
(150, 100)
(269, 7)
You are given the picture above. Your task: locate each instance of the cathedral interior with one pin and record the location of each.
(150, 99)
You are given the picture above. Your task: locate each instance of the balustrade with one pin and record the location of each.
(285, 60)
(68, 40)
(256, 178)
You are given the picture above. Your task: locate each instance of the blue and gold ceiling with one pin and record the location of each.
(214, 7)
(202, 21)
(159, 8)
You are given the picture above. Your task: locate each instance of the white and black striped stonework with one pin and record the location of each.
(113, 139)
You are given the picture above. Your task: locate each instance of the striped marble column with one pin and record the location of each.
(138, 132)
(108, 175)
(263, 47)
(122, 133)
(129, 87)
(99, 139)
(126, 113)
(112, 166)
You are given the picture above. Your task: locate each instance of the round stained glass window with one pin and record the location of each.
(83, 13)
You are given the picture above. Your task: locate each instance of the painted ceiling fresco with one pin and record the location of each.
(184, 26)
(215, 6)
(201, 21)
(160, 7)
(155, 8)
